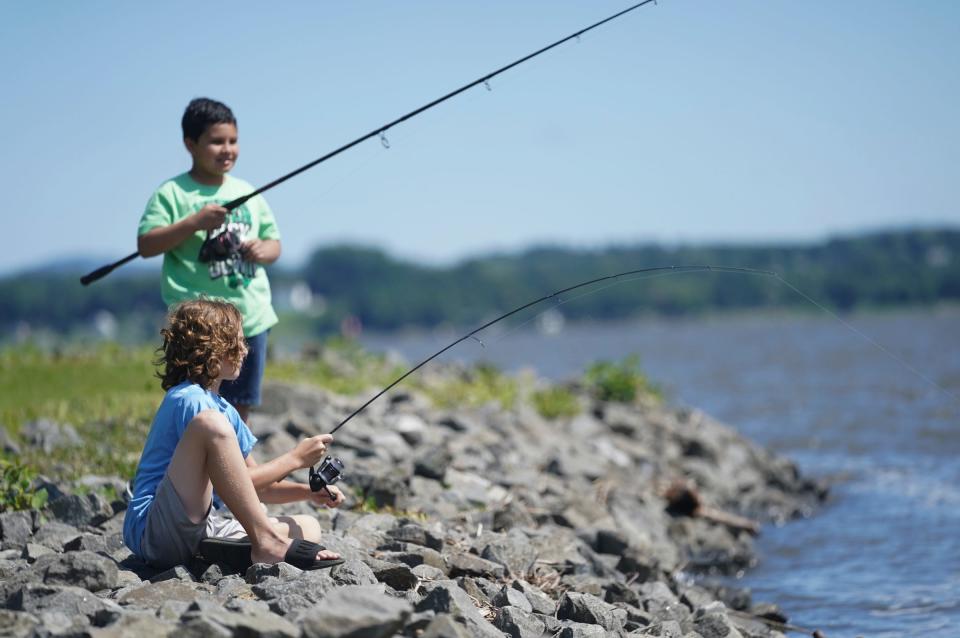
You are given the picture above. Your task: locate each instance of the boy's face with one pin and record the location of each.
(215, 152)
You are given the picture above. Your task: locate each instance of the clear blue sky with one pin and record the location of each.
(690, 121)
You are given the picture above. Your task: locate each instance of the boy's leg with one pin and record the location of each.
(299, 526)
(208, 457)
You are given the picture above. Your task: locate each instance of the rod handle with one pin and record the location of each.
(103, 271)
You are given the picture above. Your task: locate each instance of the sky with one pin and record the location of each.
(686, 122)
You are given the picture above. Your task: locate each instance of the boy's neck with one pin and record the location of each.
(207, 179)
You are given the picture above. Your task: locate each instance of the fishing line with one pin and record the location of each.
(672, 269)
(869, 339)
(381, 131)
(624, 277)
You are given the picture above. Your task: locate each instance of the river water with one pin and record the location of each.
(870, 402)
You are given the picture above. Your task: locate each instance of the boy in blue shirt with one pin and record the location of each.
(198, 452)
(187, 209)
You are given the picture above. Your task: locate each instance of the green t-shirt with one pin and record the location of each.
(240, 282)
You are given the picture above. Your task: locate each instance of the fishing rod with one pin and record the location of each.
(331, 468)
(380, 131)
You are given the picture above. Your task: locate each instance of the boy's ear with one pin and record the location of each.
(190, 144)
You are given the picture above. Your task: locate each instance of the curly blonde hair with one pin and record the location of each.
(199, 337)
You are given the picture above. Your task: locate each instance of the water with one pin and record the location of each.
(882, 558)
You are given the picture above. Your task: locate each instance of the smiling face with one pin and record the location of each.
(214, 153)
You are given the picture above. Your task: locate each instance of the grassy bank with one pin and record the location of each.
(109, 393)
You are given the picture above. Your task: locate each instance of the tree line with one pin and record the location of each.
(885, 269)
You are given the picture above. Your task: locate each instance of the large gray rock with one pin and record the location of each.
(80, 510)
(15, 529)
(513, 550)
(540, 603)
(397, 575)
(141, 625)
(588, 609)
(518, 623)
(312, 585)
(204, 618)
(354, 572)
(446, 597)
(72, 602)
(153, 595)
(56, 535)
(465, 564)
(356, 611)
(17, 624)
(90, 571)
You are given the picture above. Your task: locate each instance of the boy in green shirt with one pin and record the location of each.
(186, 210)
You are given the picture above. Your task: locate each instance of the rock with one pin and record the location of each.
(33, 551)
(94, 543)
(142, 625)
(665, 629)
(17, 624)
(416, 534)
(581, 630)
(588, 609)
(178, 572)
(204, 618)
(72, 602)
(518, 623)
(433, 463)
(540, 603)
(411, 427)
(15, 529)
(152, 595)
(259, 572)
(712, 622)
(356, 610)
(610, 542)
(49, 436)
(312, 585)
(464, 564)
(428, 572)
(445, 626)
(354, 572)
(90, 571)
(56, 535)
(508, 596)
(396, 575)
(446, 597)
(514, 551)
(80, 510)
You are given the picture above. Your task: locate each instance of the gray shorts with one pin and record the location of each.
(171, 538)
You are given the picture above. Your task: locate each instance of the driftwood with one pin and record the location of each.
(684, 500)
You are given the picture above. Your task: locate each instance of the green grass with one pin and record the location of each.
(477, 386)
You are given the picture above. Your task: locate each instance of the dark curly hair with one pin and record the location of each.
(199, 337)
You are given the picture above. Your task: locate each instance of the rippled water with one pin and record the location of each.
(883, 557)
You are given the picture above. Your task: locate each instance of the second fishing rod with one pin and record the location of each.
(214, 245)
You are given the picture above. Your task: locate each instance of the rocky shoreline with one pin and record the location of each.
(479, 522)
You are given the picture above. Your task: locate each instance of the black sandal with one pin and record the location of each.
(235, 554)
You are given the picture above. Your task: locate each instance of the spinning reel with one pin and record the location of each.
(220, 247)
(327, 473)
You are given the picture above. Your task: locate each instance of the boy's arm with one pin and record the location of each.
(164, 238)
(307, 453)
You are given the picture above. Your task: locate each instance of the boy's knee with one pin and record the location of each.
(308, 527)
(211, 424)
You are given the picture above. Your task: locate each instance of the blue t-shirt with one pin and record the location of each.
(179, 406)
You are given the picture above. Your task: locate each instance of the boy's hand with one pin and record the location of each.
(310, 450)
(322, 498)
(255, 250)
(210, 217)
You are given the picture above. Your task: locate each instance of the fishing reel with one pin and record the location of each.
(220, 247)
(327, 473)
